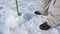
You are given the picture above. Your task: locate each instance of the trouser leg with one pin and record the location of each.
(44, 7)
(53, 18)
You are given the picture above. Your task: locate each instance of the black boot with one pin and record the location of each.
(37, 13)
(44, 26)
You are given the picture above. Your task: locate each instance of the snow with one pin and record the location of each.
(27, 23)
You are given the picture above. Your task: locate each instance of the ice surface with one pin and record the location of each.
(27, 23)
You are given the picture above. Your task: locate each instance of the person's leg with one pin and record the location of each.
(53, 17)
(44, 7)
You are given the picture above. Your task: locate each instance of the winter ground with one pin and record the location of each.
(27, 23)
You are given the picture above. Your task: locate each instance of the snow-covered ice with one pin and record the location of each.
(27, 23)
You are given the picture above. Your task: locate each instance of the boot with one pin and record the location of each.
(44, 26)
